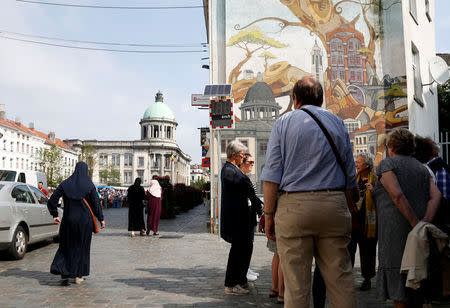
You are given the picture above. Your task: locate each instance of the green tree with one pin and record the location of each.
(51, 161)
(110, 176)
(444, 107)
(267, 55)
(87, 155)
(250, 40)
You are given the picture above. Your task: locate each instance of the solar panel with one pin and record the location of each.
(217, 90)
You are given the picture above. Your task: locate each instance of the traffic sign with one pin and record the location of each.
(200, 100)
(206, 162)
(221, 114)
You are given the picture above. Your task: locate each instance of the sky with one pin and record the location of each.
(103, 95)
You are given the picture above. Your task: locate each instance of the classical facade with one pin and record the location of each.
(156, 153)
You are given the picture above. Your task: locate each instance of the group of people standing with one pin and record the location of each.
(317, 207)
(138, 199)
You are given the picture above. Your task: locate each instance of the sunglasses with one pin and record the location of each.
(251, 162)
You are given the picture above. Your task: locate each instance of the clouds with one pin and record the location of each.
(98, 95)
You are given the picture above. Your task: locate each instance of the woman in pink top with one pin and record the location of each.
(154, 206)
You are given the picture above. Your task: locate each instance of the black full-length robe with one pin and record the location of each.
(135, 196)
(73, 256)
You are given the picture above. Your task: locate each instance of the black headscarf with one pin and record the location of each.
(78, 185)
(136, 186)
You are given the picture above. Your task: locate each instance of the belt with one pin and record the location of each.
(310, 191)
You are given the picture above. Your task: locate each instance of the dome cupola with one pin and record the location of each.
(158, 109)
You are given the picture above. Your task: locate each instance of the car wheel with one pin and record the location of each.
(19, 244)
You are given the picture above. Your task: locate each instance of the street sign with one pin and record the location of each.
(205, 150)
(204, 132)
(206, 162)
(221, 114)
(200, 100)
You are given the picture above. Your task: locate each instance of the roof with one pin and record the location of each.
(260, 93)
(158, 109)
(19, 126)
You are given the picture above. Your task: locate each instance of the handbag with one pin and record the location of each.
(352, 195)
(96, 230)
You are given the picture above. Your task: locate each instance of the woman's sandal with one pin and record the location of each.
(280, 299)
(273, 293)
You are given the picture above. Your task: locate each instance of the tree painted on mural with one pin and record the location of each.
(267, 55)
(250, 41)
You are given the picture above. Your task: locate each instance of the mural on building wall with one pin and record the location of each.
(340, 42)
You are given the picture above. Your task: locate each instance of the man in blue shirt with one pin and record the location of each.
(312, 217)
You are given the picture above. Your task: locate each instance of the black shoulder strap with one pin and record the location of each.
(437, 164)
(330, 140)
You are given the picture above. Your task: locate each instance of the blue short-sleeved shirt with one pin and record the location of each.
(299, 156)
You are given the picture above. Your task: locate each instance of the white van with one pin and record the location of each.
(25, 176)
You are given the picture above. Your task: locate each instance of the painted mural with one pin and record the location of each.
(353, 47)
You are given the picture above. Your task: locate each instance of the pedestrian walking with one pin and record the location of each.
(234, 219)
(309, 160)
(365, 233)
(72, 259)
(136, 196)
(154, 206)
(255, 206)
(404, 194)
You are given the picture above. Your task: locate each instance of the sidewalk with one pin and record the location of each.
(183, 267)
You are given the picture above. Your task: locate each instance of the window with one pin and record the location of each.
(167, 162)
(128, 159)
(12, 146)
(18, 147)
(169, 132)
(23, 147)
(417, 77)
(28, 148)
(244, 142)
(140, 161)
(262, 147)
(128, 177)
(155, 161)
(144, 132)
(413, 10)
(4, 162)
(140, 174)
(427, 10)
(156, 131)
(21, 193)
(103, 159)
(115, 159)
(41, 198)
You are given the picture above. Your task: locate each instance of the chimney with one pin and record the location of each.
(18, 121)
(3, 112)
(51, 136)
(31, 126)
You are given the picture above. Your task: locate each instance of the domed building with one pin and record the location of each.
(156, 153)
(258, 113)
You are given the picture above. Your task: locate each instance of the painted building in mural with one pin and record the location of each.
(370, 56)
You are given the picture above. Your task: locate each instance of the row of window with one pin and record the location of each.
(361, 140)
(156, 131)
(128, 160)
(413, 9)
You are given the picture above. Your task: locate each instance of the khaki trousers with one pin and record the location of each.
(315, 224)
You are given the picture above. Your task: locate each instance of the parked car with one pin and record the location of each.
(25, 176)
(24, 218)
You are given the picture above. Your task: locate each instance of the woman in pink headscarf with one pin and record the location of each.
(154, 206)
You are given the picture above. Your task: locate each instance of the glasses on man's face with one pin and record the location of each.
(250, 162)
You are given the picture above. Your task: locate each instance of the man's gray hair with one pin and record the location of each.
(367, 159)
(234, 147)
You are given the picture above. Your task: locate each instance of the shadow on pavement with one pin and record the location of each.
(44, 278)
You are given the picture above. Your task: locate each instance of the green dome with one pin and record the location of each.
(158, 109)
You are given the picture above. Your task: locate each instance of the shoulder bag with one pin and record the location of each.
(96, 230)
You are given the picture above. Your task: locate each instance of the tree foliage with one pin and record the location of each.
(201, 184)
(87, 155)
(51, 162)
(444, 107)
(110, 176)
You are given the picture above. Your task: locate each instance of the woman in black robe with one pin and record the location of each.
(135, 196)
(72, 260)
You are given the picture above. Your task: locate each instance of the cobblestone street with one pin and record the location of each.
(183, 267)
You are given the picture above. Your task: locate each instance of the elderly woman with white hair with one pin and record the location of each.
(235, 226)
(364, 234)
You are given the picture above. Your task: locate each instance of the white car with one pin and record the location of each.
(24, 218)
